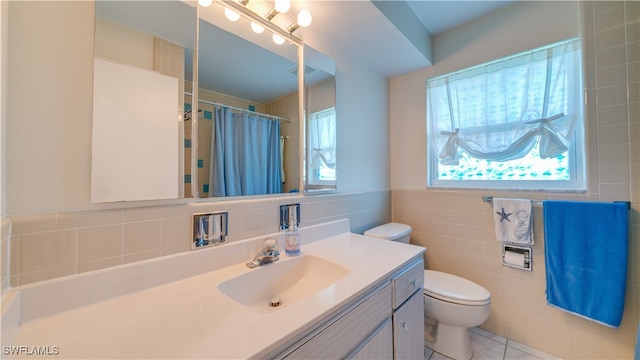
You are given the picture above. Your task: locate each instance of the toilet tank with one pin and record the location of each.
(391, 231)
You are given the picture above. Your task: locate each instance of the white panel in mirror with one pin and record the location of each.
(134, 147)
(151, 36)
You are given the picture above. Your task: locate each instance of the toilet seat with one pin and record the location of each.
(454, 289)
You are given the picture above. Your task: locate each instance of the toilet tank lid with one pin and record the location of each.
(390, 231)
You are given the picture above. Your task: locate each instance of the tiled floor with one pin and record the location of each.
(489, 346)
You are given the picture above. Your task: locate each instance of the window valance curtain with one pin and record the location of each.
(501, 110)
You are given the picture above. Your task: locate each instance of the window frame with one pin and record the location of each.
(577, 166)
(312, 179)
(576, 152)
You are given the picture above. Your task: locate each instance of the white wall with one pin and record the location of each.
(517, 27)
(363, 129)
(4, 224)
(49, 93)
(4, 20)
(362, 122)
(123, 44)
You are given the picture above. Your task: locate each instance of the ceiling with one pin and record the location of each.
(390, 38)
(439, 16)
(371, 32)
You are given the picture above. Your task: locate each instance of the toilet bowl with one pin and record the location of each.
(451, 304)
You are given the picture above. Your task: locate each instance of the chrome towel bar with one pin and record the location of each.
(489, 199)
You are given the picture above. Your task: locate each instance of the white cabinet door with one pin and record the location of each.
(408, 329)
(346, 333)
(380, 346)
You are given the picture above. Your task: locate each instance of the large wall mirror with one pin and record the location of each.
(240, 75)
(248, 110)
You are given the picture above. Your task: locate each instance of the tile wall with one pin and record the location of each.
(287, 107)
(456, 227)
(48, 246)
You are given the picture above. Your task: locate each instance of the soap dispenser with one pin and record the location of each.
(292, 236)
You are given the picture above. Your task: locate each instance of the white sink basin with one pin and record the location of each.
(288, 281)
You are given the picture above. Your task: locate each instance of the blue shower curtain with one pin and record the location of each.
(246, 154)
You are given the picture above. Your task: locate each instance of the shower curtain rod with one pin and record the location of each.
(244, 110)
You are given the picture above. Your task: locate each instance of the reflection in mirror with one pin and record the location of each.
(320, 110)
(142, 40)
(247, 122)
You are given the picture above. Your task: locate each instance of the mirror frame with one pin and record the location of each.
(317, 61)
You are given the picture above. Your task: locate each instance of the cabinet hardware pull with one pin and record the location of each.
(404, 325)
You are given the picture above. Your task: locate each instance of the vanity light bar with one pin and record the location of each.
(262, 21)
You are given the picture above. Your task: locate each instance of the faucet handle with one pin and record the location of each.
(270, 243)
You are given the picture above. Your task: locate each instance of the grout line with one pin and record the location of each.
(505, 346)
(504, 352)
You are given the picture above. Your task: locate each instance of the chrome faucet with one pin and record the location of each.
(267, 255)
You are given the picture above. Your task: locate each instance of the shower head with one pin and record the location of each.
(187, 114)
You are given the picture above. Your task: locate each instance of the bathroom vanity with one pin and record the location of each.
(381, 324)
(346, 296)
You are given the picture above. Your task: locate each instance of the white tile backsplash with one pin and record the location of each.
(53, 245)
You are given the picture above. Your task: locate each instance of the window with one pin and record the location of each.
(321, 164)
(513, 123)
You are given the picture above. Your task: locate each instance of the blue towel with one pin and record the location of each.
(586, 258)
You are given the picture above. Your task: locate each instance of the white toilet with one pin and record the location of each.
(451, 304)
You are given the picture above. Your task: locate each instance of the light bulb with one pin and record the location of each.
(282, 6)
(205, 3)
(278, 39)
(304, 18)
(257, 28)
(231, 15)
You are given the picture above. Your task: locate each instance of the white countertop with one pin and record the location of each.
(191, 318)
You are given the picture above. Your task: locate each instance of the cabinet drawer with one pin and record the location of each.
(338, 339)
(407, 282)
